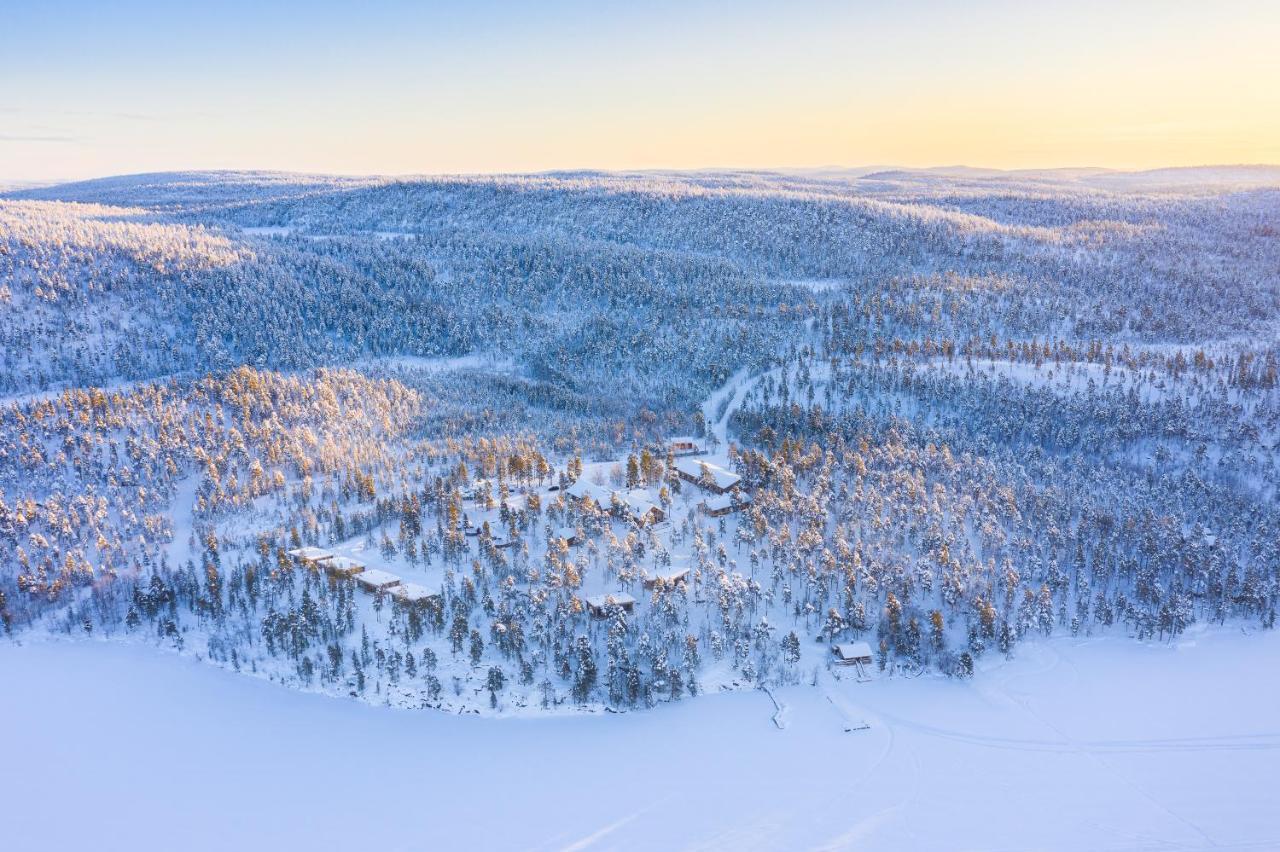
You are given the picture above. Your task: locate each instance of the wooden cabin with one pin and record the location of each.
(587, 492)
(852, 653)
(377, 580)
(684, 446)
(724, 504)
(412, 594)
(601, 606)
(343, 566)
(642, 510)
(707, 476)
(667, 580)
(312, 557)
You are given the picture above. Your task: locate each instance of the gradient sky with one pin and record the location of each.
(93, 87)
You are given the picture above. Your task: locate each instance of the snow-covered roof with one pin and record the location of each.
(692, 467)
(378, 579)
(640, 503)
(852, 650)
(413, 593)
(582, 488)
(613, 599)
(726, 501)
(310, 554)
(670, 576)
(344, 563)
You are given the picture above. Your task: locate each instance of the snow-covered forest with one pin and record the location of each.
(623, 439)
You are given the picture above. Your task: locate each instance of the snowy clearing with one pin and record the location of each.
(1102, 744)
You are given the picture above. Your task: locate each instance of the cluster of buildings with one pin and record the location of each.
(639, 505)
(372, 580)
(722, 495)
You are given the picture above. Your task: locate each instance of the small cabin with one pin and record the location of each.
(852, 653)
(684, 446)
(568, 535)
(667, 580)
(412, 594)
(343, 566)
(588, 492)
(602, 606)
(312, 557)
(377, 580)
(643, 511)
(724, 504)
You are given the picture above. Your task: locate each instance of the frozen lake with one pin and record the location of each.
(1077, 744)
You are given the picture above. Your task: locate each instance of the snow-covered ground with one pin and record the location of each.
(1103, 744)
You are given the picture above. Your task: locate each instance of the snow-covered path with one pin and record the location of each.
(730, 395)
(732, 391)
(1078, 744)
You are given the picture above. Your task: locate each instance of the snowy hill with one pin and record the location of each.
(629, 438)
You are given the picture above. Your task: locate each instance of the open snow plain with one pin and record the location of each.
(1076, 744)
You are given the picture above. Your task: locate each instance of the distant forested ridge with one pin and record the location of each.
(965, 408)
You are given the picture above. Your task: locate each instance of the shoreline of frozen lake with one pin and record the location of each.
(1075, 744)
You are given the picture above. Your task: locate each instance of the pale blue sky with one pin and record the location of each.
(93, 88)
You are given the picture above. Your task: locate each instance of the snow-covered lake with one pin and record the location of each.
(1077, 744)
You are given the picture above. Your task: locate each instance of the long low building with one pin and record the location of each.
(412, 593)
(309, 555)
(706, 475)
(667, 579)
(377, 580)
(343, 566)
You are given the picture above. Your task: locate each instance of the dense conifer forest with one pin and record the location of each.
(935, 413)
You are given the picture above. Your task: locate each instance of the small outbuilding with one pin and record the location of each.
(601, 606)
(684, 446)
(377, 580)
(852, 653)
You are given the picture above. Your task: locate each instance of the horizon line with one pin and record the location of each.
(33, 183)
